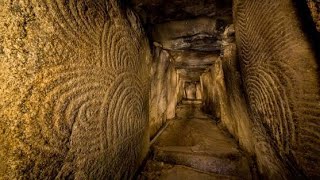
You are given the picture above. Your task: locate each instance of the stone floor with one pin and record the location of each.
(193, 147)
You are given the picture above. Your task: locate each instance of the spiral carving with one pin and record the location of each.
(268, 80)
(280, 77)
(121, 41)
(85, 112)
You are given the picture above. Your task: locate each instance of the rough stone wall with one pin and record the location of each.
(198, 91)
(314, 6)
(211, 82)
(165, 88)
(223, 97)
(234, 114)
(190, 91)
(180, 89)
(73, 89)
(173, 91)
(281, 81)
(159, 90)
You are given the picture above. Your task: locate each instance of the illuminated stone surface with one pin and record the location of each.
(74, 90)
(281, 83)
(87, 85)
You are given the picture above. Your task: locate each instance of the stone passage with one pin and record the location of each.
(74, 90)
(87, 85)
(193, 147)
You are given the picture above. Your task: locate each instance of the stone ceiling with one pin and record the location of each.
(191, 31)
(192, 60)
(200, 34)
(159, 11)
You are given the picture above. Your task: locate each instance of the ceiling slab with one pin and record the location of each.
(159, 11)
(200, 34)
(192, 60)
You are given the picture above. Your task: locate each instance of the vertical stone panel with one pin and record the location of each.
(173, 90)
(74, 90)
(281, 80)
(212, 89)
(222, 97)
(165, 90)
(159, 90)
(198, 93)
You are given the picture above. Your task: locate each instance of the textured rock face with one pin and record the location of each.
(158, 11)
(314, 6)
(274, 113)
(159, 90)
(222, 93)
(165, 90)
(192, 91)
(75, 82)
(199, 34)
(222, 96)
(74, 90)
(281, 82)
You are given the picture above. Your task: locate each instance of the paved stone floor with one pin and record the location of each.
(193, 147)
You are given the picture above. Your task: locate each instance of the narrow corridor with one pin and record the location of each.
(192, 146)
(160, 89)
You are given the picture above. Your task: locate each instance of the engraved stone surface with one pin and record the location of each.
(74, 90)
(281, 80)
(82, 94)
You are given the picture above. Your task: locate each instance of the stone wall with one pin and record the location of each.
(314, 6)
(224, 98)
(159, 90)
(173, 91)
(267, 98)
(281, 82)
(211, 82)
(165, 89)
(192, 91)
(74, 90)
